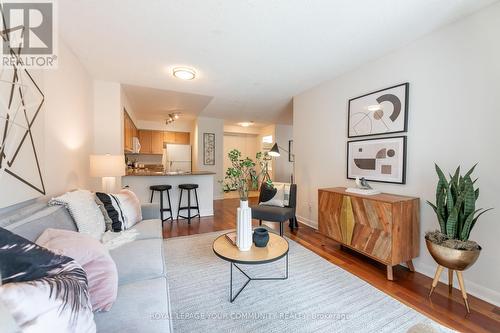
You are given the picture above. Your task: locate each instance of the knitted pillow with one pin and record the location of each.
(84, 210)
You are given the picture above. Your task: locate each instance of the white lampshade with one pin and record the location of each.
(107, 165)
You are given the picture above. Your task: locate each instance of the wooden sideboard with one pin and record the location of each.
(384, 227)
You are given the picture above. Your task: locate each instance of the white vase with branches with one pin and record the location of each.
(238, 176)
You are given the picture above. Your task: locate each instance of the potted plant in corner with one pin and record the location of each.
(238, 176)
(456, 211)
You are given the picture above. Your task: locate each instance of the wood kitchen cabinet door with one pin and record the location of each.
(182, 138)
(157, 142)
(169, 137)
(145, 139)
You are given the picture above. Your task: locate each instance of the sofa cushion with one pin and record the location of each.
(139, 260)
(142, 306)
(31, 227)
(149, 229)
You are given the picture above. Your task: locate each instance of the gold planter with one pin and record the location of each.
(454, 260)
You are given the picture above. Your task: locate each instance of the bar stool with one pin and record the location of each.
(188, 188)
(161, 189)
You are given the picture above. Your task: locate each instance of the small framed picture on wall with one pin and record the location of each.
(380, 160)
(209, 148)
(380, 112)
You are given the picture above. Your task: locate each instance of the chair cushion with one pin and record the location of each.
(141, 306)
(149, 229)
(139, 260)
(188, 186)
(272, 213)
(160, 187)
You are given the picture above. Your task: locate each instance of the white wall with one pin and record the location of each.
(209, 125)
(454, 118)
(108, 124)
(67, 119)
(68, 124)
(283, 168)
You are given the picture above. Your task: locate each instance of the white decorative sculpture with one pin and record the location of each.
(362, 187)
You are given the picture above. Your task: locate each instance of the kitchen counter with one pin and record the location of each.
(143, 172)
(139, 182)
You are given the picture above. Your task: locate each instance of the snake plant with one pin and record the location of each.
(455, 205)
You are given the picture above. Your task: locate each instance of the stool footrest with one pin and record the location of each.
(192, 207)
(187, 218)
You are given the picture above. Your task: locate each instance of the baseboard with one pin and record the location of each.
(486, 294)
(308, 222)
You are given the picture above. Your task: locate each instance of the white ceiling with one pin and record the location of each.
(252, 56)
(155, 104)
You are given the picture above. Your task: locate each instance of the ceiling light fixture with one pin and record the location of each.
(184, 73)
(246, 123)
(172, 117)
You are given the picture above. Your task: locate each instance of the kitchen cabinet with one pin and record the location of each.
(152, 142)
(182, 138)
(129, 132)
(145, 138)
(169, 137)
(157, 142)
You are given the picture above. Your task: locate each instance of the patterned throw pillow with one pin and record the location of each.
(123, 208)
(277, 195)
(43, 291)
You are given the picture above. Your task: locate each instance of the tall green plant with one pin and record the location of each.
(241, 172)
(455, 205)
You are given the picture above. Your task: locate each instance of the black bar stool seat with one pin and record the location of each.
(161, 189)
(188, 188)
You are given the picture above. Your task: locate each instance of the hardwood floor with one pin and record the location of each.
(409, 288)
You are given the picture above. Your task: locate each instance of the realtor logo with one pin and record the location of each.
(28, 34)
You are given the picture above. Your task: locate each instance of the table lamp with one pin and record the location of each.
(108, 167)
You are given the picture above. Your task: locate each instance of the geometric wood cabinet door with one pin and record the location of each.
(384, 227)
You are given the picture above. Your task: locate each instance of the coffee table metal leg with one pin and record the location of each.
(231, 298)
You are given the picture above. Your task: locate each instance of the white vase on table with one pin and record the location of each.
(244, 226)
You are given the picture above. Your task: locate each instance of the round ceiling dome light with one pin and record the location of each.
(246, 123)
(184, 73)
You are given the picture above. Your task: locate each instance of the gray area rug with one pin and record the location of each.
(317, 297)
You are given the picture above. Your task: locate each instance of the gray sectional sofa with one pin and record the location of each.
(143, 303)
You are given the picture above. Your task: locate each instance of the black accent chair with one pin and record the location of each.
(277, 214)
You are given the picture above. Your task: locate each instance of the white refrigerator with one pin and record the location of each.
(177, 158)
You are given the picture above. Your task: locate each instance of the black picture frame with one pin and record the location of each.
(405, 145)
(291, 156)
(208, 152)
(405, 111)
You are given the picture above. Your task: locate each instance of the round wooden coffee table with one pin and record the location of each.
(276, 248)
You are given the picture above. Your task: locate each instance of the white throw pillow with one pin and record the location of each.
(84, 210)
(131, 207)
(279, 198)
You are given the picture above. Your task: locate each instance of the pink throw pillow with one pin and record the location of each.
(94, 258)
